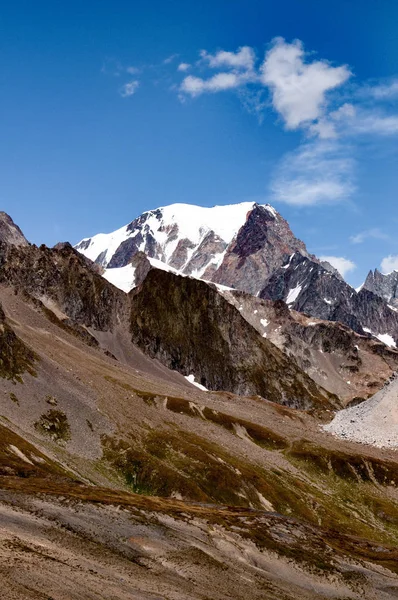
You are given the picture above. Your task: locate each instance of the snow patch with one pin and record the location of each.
(387, 339)
(191, 379)
(121, 277)
(293, 294)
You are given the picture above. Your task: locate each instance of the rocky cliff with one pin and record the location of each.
(63, 279)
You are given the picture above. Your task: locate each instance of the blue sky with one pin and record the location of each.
(110, 109)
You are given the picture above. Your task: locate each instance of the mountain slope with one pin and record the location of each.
(175, 319)
(155, 476)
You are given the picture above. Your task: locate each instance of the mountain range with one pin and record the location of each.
(183, 409)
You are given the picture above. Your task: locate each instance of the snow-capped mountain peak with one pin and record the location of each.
(197, 240)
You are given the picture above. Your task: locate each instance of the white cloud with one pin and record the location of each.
(170, 59)
(299, 89)
(374, 233)
(389, 263)
(239, 63)
(317, 173)
(183, 67)
(194, 86)
(343, 265)
(243, 58)
(128, 89)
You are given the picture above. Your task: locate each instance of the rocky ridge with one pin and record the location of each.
(251, 248)
(307, 287)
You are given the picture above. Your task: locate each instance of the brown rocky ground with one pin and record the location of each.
(121, 480)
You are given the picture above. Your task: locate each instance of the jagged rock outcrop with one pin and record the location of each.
(385, 286)
(65, 278)
(190, 327)
(10, 233)
(308, 287)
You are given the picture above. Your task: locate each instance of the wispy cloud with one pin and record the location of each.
(318, 172)
(242, 59)
(341, 264)
(194, 86)
(374, 233)
(129, 89)
(238, 71)
(382, 91)
(132, 70)
(170, 59)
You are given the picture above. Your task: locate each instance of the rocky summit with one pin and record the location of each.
(184, 406)
(383, 285)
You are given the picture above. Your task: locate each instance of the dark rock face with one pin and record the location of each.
(142, 267)
(262, 245)
(68, 279)
(385, 286)
(10, 233)
(123, 254)
(309, 288)
(15, 357)
(190, 327)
